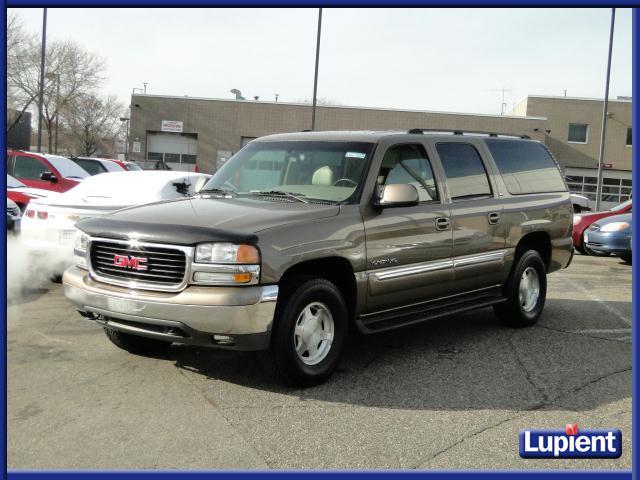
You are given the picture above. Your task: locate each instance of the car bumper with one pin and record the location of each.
(230, 317)
(611, 242)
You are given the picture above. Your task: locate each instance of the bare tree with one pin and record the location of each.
(69, 68)
(92, 124)
(19, 44)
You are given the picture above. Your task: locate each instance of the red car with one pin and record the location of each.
(21, 195)
(48, 172)
(583, 221)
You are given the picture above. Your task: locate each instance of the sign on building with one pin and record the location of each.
(171, 126)
(136, 147)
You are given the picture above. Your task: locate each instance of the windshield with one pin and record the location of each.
(14, 183)
(315, 171)
(66, 167)
(622, 206)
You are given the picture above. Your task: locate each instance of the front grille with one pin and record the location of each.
(164, 265)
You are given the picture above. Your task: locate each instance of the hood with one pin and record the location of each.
(625, 217)
(194, 220)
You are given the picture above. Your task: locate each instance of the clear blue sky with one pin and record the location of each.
(431, 59)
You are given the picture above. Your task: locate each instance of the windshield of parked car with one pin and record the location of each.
(302, 171)
(14, 182)
(622, 206)
(66, 167)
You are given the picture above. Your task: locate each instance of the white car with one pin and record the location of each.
(48, 225)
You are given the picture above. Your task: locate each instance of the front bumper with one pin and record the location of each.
(612, 242)
(231, 317)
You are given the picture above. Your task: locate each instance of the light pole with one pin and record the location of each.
(604, 115)
(315, 77)
(126, 147)
(57, 77)
(41, 93)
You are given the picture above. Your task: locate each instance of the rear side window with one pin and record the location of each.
(91, 166)
(466, 175)
(28, 167)
(526, 167)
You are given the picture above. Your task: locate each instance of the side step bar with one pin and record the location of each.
(390, 319)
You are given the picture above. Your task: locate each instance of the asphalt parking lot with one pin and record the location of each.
(449, 394)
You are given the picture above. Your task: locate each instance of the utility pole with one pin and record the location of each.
(605, 108)
(315, 78)
(56, 76)
(42, 61)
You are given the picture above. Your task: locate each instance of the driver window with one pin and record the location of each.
(409, 164)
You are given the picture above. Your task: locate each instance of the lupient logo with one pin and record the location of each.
(571, 443)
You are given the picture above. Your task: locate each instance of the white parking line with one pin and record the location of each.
(610, 308)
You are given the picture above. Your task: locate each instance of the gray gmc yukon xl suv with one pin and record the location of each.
(299, 237)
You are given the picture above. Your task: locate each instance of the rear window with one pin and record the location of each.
(526, 167)
(66, 167)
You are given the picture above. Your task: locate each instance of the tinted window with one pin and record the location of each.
(629, 136)
(526, 167)
(90, 166)
(466, 175)
(409, 164)
(29, 167)
(578, 132)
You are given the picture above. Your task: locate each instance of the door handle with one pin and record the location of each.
(494, 218)
(442, 224)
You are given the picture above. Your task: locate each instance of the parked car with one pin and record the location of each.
(95, 166)
(48, 224)
(300, 236)
(611, 235)
(580, 203)
(48, 172)
(582, 222)
(132, 166)
(153, 165)
(22, 195)
(13, 216)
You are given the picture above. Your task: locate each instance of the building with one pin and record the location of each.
(186, 131)
(572, 133)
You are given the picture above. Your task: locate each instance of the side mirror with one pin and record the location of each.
(396, 195)
(48, 177)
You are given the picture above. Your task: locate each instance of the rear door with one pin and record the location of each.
(479, 232)
(408, 248)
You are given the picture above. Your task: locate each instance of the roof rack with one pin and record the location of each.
(464, 132)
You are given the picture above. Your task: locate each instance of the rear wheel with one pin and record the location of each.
(136, 344)
(626, 257)
(525, 290)
(309, 333)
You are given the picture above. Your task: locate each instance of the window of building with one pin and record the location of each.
(578, 132)
(466, 175)
(409, 164)
(614, 190)
(191, 159)
(629, 137)
(526, 167)
(245, 140)
(28, 167)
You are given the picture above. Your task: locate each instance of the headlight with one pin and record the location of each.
(226, 264)
(227, 253)
(615, 227)
(576, 219)
(81, 242)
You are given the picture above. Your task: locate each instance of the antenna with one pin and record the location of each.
(503, 103)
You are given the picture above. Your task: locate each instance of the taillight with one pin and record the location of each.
(43, 215)
(30, 213)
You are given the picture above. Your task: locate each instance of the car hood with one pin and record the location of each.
(193, 220)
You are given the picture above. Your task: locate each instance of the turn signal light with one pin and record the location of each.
(242, 277)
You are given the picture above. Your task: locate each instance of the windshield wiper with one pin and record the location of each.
(279, 193)
(218, 191)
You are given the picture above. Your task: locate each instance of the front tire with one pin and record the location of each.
(627, 258)
(136, 344)
(525, 290)
(309, 333)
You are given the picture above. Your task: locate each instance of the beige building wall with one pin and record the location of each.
(221, 124)
(561, 111)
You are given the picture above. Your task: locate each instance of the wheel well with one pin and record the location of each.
(337, 270)
(539, 241)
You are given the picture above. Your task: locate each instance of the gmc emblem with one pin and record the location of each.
(134, 263)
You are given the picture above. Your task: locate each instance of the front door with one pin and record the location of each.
(408, 248)
(479, 232)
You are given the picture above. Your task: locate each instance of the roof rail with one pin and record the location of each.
(464, 132)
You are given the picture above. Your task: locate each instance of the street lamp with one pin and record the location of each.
(126, 147)
(56, 76)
